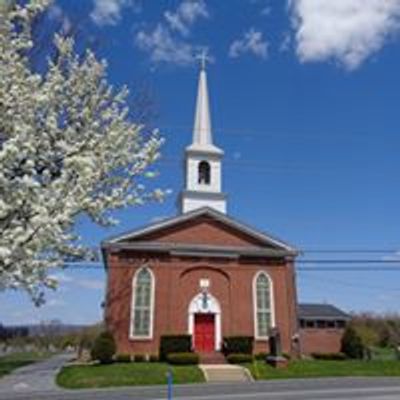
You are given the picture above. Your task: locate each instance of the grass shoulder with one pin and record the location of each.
(125, 374)
(325, 368)
(13, 361)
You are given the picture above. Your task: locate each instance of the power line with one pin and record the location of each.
(348, 284)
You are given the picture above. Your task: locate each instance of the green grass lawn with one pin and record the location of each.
(129, 374)
(321, 368)
(13, 361)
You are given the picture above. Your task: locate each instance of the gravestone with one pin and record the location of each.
(275, 357)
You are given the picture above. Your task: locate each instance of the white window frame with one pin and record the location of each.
(132, 336)
(255, 305)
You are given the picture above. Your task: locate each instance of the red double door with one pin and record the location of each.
(204, 333)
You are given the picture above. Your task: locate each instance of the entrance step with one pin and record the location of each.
(225, 373)
(212, 358)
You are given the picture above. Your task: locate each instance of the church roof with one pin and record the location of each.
(269, 245)
(321, 311)
(276, 246)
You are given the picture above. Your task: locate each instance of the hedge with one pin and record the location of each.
(174, 344)
(123, 358)
(238, 344)
(139, 358)
(183, 358)
(239, 358)
(261, 356)
(329, 356)
(153, 358)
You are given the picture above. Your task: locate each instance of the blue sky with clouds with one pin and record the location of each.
(305, 102)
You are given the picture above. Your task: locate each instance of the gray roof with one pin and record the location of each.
(321, 311)
(273, 243)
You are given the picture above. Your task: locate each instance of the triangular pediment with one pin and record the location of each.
(206, 227)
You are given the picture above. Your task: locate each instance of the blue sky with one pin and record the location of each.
(305, 100)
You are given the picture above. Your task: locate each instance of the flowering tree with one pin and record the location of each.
(67, 148)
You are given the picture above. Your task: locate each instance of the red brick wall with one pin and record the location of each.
(177, 282)
(203, 231)
(320, 340)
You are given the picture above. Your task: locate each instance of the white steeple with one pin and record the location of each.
(202, 158)
(202, 123)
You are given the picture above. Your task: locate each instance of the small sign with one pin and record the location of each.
(204, 283)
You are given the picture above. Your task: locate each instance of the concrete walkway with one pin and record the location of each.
(34, 378)
(225, 373)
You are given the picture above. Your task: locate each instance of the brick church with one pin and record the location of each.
(203, 272)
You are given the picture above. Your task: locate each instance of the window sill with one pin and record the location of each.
(140, 338)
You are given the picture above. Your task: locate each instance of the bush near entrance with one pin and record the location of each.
(239, 358)
(174, 344)
(238, 345)
(183, 358)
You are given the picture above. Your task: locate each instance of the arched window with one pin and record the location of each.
(142, 304)
(204, 172)
(263, 305)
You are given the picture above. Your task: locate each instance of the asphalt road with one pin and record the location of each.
(311, 389)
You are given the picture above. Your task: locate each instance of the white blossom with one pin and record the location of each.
(67, 148)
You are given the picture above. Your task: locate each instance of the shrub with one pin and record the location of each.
(238, 344)
(174, 344)
(139, 358)
(287, 356)
(329, 356)
(153, 358)
(239, 358)
(183, 358)
(352, 344)
(104, 348)
(123, 358)
(262, 356)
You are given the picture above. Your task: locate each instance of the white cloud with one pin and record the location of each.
(62, 277)
(92, 284)
(168, 41)
(186, 15)
(253, 42)
(55, 303)
(346, 31)
(108, 12)
(163, 47)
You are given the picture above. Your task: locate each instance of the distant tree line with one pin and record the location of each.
(378, 330)
(7, 333)
(368, 332)
(49, 336)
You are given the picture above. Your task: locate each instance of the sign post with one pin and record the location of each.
(169, 381)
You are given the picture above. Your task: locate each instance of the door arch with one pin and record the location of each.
(210, 308)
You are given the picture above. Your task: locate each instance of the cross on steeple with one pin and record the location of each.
(203, 58)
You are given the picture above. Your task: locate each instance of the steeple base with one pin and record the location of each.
(191, 200)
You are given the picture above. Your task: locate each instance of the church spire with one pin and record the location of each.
(203, 169)
(202, 135)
